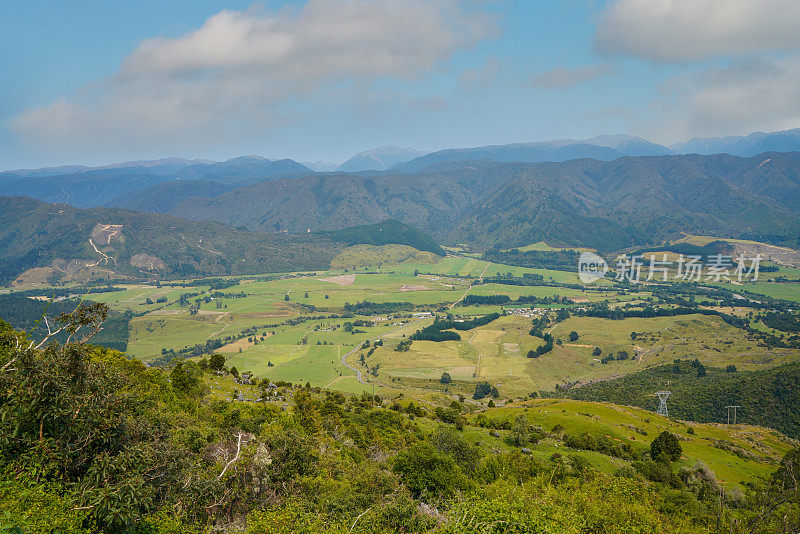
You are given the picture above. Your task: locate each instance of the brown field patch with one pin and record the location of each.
(342, 280)
(413, 287)
(238, 344)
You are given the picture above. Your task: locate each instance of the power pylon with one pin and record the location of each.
(728, 408)
(662, 405)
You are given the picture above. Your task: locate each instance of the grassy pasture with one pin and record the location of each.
(620, 422)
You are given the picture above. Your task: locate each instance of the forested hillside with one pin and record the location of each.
(386, 233)
(769, 397)
(112, 243)
(601, 204)
(34, 234)
(606, 205)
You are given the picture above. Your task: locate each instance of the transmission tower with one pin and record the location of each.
(662, 405)
(728, 408)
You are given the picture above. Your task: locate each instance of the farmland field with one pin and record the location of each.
(297, 327)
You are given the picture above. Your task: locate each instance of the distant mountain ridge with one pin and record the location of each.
(602, 204)
(379, 159)
(576, 193)
(748, 145)
(603, 148)
(103, 185)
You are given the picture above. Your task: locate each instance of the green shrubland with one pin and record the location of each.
(92, 441)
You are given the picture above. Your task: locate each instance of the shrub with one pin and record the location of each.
(428, 473)
(666, 445)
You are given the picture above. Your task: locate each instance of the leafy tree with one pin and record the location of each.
(573, 336)
(445, 379)
(522, 433)
(666, 445)
(217, 361)
(183, 380)
(234, 372)
(597, 352)
(451, 442)
(482, 389)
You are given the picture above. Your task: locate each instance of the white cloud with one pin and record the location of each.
(749, 95)
(687, 30)
(244, 72)
(562, 77)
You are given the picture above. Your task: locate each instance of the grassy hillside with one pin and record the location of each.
(767, 397)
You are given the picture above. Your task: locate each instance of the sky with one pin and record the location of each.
(96, 82)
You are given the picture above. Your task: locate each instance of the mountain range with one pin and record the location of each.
(379, 159)
(587, 202)
(97, 186)
(484, 197)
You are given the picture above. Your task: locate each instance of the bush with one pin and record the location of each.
(428, 473)
(666, 445)
(448, 441)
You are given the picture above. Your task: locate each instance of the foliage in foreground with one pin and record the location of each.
(94, 442)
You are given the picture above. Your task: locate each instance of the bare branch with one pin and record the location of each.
(240, 435)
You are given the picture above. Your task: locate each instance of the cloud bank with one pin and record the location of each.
(250, 71)
(761, 94)
(689, 30)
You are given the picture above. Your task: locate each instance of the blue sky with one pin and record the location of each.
(97, 82)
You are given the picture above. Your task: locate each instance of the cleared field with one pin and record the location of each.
(498, 352)
(371, 255)
(786, 291)
(544, 247)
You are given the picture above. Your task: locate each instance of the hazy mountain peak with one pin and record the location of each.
(247, 159)
(742, 145)
(321, 166)
(380, 158)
